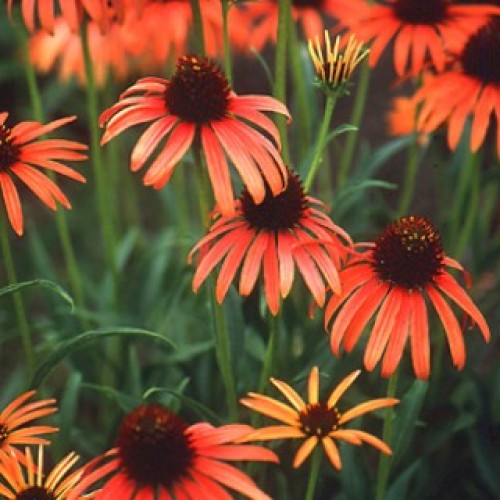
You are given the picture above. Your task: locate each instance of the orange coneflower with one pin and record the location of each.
(33, 484)
(404, 266)
(158, 455)
(316, 421)
(402, 118)
(471, 88)
(264, 16)
(420, 28)
(285, 230)
(197, 102)
(18, 154)
(14, 417)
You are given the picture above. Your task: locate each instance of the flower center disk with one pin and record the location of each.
(319, 420)
(8, 152)
(421, 11)
(276, 213)
(198, 92)
(35, 493)
(480, 55)
(409, 253)
(153, 446)
(313, 4)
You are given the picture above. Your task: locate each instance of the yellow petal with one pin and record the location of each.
(341, 388)
(290, 394)
(332, 452)
(313, 386)
(366, 407)
(271, 407)
(304, 451)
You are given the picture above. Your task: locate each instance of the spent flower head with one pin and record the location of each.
(333, 67)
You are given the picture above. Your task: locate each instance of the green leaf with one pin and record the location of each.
(341, 129)
(39, 282)
(68, 347)
(407, 415)
(399, 488)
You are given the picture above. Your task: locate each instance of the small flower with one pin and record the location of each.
(34, 484)
(14, 417)
(197, 102)
(316, 421)
(422, 30)
(18, 153)
(470, 88)
(334, 69)
(283, 231)
(405, 265)
(157, 455)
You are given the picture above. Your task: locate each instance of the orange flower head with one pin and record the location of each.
(19, 156)
(402, 118)
(284, 231)
(422, 30)
(391, 281)
(158, 454)
(316, 421)
(16, 414)
(33, 484)
(471, 88)
(197, 102)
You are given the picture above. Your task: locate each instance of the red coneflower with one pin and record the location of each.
(316, 421)
(14, 417)
(33, 484)
(157, 455)
(19, 156)
(404, 266)
(197, 102)
(283, 231)
(471, 88)
(420, 28)
(402, 118)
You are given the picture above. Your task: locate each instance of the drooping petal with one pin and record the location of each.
(304, 451)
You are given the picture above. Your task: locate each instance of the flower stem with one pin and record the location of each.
(320, 145)
(61, 218)
(105, 212)
(19, 308)
(269, 359)
(314, 474)
(228, 70)
(199, 39)
(279, 90)
(385, 460)
(408, 187)
(356, 116)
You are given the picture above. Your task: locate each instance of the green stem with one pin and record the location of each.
(320, 145)
(410, 177)
(19, 308)
(314, 474)
(385, 460)
(356, 116)
(279, 90)
(228, 70)
(105, 212)
(269, 359)
(75, 281)
(199, 39)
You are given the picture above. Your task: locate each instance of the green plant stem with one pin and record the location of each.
(228, 69)
(314, 474)
(19, 308)
(279, 90)
(105, 212)
(75, 281)
(320, 144)
(356, 117)
(385, 460)
(221, 333)
(408, 187)
(199, 39)
(269, 359)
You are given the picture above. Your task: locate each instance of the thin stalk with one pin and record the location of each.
(314, 474)
(384, 463)
(19, 308)
(356, 116)
(105, 213)
(269, 359)
(408, 187)
(279, 90)
(73, 274)
(320, 144)
(228, 69)
(199, 39)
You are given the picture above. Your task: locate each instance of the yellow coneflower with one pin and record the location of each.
(334, 68)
